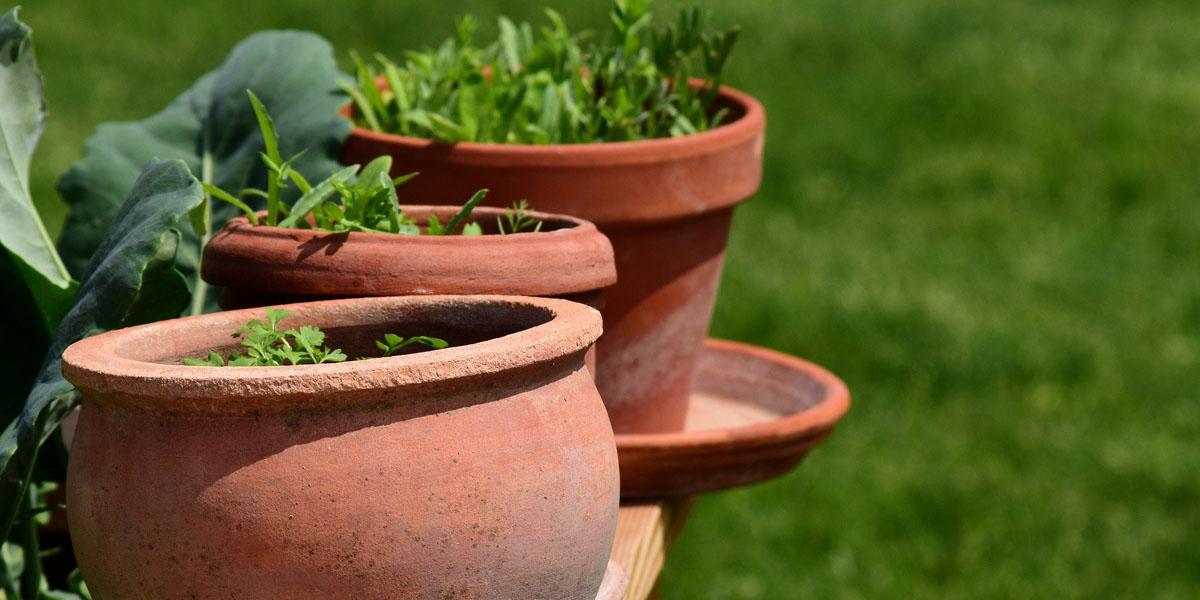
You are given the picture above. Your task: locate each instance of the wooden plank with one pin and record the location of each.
(645, 532)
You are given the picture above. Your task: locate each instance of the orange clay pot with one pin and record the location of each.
(665, 204)
(485, 470)
(259, 266)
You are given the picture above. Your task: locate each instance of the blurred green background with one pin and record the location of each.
(983, 215)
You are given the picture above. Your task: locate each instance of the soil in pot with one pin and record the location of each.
(484, 470)
(665, 204)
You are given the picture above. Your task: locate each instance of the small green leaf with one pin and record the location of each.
(316, 195)
(434, 227)
(267, 126)
(465, 211)
(369, 176)
(275, 315)
(222, 195)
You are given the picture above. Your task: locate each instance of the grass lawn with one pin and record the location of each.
(984, 215)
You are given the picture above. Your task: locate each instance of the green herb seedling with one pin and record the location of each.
(268, 346)
(554, 88)
(366, 198)
(518, 220)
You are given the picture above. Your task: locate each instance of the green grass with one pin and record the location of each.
(985, 216)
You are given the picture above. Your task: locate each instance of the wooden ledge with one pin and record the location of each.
(645, 532)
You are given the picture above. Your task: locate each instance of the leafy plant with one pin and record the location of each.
(132, 280)
(517, 219)
(559, 88)
(369, 203)
(124, 239)
(268, 346)
(216, 132)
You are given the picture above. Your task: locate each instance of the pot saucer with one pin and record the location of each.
(753, 414)
(614, 584)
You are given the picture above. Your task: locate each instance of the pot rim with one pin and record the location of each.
(815, 420)
(592, 265)
(578, 227)
(101, 368)
(750, 124)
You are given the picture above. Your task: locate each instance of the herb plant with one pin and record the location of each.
(268, 346)
(367, 203)
(517, 219)
(559, 88)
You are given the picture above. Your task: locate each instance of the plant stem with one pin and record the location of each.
(199, 286)
(31, 577)
(272, 200)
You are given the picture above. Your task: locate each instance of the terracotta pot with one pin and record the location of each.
(485, 470)
(665, 204)
(259, 266)
(265, 266)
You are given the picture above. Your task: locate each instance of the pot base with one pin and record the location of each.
(753, 414)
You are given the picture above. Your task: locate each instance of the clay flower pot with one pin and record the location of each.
(260, 266)
(485, 470)
(666, 206)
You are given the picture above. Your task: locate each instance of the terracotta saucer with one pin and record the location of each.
(753, 414)
(614, 584)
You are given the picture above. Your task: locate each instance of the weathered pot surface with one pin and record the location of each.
(261, 265)
(484, 470)
(666, 206)
(754, 413)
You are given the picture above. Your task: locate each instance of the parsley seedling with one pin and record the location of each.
(518, 220)
(268, 346)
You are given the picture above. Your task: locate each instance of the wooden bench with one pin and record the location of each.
(645, 532)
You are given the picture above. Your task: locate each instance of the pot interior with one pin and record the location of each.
(350, 325)
(486, 217)
(734, 110)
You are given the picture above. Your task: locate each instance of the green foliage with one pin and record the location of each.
(517, 219)
(392, 342)
(131, 280)
(31, 267)
(369, 203)
(559, 88)
(37, 288)
(217, 133)
(268, 346)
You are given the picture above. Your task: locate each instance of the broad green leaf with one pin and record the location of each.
(36, 284)
(213, 128)
(369, 176)
(131, 280)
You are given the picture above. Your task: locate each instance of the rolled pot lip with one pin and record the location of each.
(750, 124)
(579, 227)
(582, 235)
(99, 365)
